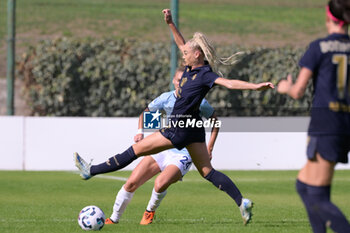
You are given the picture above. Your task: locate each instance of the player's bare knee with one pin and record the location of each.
(160, 185)
(130, 186)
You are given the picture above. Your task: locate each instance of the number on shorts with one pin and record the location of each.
(185, 161)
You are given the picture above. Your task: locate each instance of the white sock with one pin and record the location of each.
(121, 201)
(155, 200)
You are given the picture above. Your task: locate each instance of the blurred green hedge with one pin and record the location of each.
(67, 77)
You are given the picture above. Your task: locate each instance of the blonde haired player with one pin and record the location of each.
(172, 164)
(196, 81)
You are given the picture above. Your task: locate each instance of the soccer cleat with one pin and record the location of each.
(83, 166)
(246, 210)
(110, 221)
(147, 217)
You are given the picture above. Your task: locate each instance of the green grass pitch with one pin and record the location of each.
(50, 202)
(276, 20)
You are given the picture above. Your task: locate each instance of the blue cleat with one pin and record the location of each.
(246, 210)
(83, 166)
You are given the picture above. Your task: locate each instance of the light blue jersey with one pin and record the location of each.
(166, 102)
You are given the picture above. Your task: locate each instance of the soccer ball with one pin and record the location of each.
(91, 218)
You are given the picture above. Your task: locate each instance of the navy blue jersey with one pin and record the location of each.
(328, 59)
(194, 85)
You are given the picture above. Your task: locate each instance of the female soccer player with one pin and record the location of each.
(172, 164)
(326, 61)
(186, 125)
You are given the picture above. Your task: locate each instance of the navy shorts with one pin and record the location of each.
(181, 137)
(334, 148)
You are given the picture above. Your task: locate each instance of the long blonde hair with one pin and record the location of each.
(200, 42)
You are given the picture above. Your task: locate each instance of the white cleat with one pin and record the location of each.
(246, 210)
(83, 166)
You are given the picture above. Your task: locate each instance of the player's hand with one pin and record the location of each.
(264, 86)
(138, 137)
(284, 85)
(167, 16)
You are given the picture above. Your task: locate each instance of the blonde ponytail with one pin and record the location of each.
(199, 41)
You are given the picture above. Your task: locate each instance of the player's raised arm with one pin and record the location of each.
(235, 84)
(179, 40)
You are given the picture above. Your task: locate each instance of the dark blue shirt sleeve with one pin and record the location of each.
(209, 79)
(311, 58)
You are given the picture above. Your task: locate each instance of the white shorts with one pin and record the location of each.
(173, 157)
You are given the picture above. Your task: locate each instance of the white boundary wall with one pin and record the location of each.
(48, 143)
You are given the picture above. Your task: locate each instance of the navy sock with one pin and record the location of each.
(222, 182)
(328, 212)
(114, 163)
(317, 224)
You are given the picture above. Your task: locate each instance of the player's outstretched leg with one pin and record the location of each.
(114, 163)
(152, 144)
(200, 157)
(224, 183)
(83, 166)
